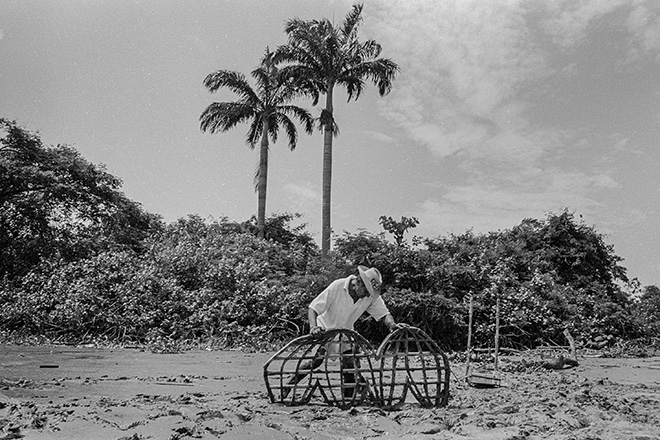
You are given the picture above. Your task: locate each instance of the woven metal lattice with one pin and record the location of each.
(341, 368)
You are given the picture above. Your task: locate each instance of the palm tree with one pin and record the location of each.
(266, 109)
(322, 56)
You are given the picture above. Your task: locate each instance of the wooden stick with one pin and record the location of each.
(469, 341)
(571, 341)
(502, 350)
(497, 329)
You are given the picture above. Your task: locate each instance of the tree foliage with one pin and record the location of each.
(647, 311)
(54, 204)
(398, 228)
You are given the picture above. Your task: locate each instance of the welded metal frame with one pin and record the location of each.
(410, 361)
(337, 353)
(407, 362)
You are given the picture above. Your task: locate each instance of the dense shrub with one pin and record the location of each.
(114, 295)
(647, 312)
(214, 280)
(548, 275)
(198, 280)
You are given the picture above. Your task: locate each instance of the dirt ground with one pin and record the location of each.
(63, 392)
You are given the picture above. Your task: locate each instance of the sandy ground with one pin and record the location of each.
(62, 392)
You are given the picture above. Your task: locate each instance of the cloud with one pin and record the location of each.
(644, 24)
(486, 205)
(472, 72)
(2, 34)
(569, 19)
(462, 62)
(492, 88)
(508, 150)
(302, 197)
(380, 137)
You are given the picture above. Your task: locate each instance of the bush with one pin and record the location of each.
(199, 280)
(213, 280)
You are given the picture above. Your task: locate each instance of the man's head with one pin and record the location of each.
(372, 279)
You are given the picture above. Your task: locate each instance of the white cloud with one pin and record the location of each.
(302, 197)
(380, 137)
(509, 150)
(470, 69)
(604, 181)
(644, 24)
(486, 205)
(570, 19)
(482, 87)
(462, 62)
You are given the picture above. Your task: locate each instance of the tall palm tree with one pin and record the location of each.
(322, 56)
(266, 109)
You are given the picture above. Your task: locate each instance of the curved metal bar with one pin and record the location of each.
(347, 375)
(425, 371)
(345, 370)
(299, 351)
(323, 362)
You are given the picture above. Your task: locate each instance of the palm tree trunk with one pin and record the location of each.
(263, 182)
(327, 173)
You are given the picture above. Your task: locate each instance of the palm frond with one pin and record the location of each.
(354, 86)
(273, 126)
(383, 75)
(267, 75)
(303, 81)
(352, 22)
(370, 50)
(304, 116)
(381, 72)
(296, 25)
(254, 132)
(290, 129)
(234, 81)
(310, 42)
(223, 116)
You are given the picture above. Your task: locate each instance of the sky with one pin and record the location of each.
(502, 110)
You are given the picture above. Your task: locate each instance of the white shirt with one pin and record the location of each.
(336, 310)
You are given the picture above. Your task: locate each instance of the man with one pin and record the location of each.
(341, 304)
(338, 307)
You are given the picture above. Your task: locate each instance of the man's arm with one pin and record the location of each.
(390, 323)
(311, 316)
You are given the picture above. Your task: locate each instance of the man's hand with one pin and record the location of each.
(393, 326)
(315, 330)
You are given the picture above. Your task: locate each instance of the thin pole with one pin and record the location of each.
(469, 341)
(497, 329)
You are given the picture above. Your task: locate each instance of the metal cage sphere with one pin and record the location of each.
(341, 368)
